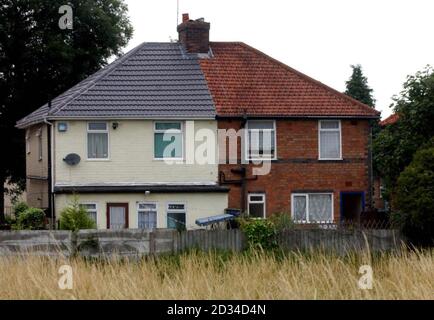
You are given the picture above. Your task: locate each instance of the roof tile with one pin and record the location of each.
(243, 80)
(152, 80)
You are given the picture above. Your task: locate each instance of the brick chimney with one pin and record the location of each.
(194, 34)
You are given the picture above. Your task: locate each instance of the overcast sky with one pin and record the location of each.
(321, 38)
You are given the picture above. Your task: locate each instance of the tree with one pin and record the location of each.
(414, 199)
(38, 60)
(395, 145)
(357, 87)
(75, 217)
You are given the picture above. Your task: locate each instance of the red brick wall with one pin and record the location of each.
(298, 167)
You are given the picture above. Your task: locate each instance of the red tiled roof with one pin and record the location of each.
(242, 80)
(390, 120)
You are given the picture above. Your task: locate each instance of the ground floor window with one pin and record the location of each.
(176, 216)
(91, 210)
(147, 215)
(312, 207)
(256, 208)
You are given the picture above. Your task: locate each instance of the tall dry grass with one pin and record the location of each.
(404, 275)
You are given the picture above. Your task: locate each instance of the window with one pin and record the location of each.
(147, 215)
(176, 216)
(330, 140)
(27, 142)
(168, 140)
(256, 205)
(97, 140)
(261, 139)
(312, 207)
(62, 127)
(91, 210)
(39, 135)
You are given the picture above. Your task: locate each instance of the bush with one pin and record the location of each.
(74, 218)
(19, 208)
(259, 232)
(414, 198)
(282, 221)
(31, 219)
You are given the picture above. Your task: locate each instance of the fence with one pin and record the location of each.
(133, 243)
(210, 239)
(340, 240)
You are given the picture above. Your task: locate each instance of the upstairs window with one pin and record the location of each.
(168, 140)
(330, 140)
(147, 215)
(91, 210)
(261, 139)
(97, 140)
(39, 135)
(27, 142)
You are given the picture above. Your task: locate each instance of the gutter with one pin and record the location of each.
(265, 116)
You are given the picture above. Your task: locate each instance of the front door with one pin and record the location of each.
(352, 206)
(117, 215)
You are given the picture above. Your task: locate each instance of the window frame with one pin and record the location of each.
(264, 201)
(28, 142)
(181, 131)
(175, 211)
(330, 130)
(97, 131)
(138, 210)
(247, 156)
(307, 196)
(96, 209)
(40, 148)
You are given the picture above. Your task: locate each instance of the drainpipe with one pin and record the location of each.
(50, 133)
(244, 168)
(370, 167)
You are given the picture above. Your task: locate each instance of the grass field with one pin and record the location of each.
(404, 275)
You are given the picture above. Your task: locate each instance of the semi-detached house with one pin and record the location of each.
(121, 140)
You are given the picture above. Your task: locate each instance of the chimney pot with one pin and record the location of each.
(185, 17)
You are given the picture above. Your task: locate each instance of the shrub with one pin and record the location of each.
(74, 218)
(31, 219)
(282, 221)
(259, 232)
(19, 208)
(414, 198)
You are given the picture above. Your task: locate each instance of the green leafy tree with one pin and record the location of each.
(414, 199)
(74, 217)
(395, 145)
(358, 88)
(38, 61)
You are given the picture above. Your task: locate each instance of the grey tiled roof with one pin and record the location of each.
(154, 80)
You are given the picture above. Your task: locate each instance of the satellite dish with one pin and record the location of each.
(72, 159)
